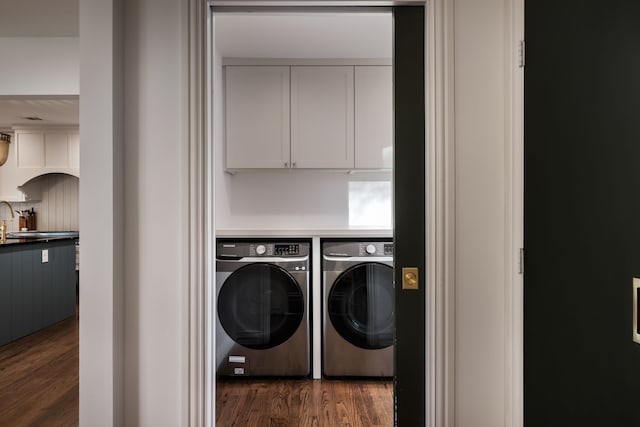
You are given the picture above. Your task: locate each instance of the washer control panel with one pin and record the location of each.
(287, 249)
(230, 249)
(274, 249)
(375, 249)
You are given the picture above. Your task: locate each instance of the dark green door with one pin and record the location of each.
(582, 212)
(409, 211)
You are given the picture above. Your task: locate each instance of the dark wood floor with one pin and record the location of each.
(39, 387)
(39, 378)
(330, 403)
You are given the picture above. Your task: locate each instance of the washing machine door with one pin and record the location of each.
(260, 306)
(361, 305)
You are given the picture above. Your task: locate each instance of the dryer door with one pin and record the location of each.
(361, 305)
(260, 306)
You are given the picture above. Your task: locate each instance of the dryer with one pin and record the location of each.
(262, 326)
(358, 308)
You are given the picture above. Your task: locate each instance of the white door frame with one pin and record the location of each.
(514, 204)
(199, 403)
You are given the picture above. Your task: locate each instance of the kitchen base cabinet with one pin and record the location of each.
(5, 300)
(33, 294)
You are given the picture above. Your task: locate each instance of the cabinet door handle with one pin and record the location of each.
(636, 313)
(294, 164)
(286, 164)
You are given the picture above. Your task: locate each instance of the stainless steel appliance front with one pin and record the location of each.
(263, 308)
(358, 308)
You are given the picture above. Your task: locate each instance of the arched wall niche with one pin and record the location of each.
(53, 197)
(34, 187)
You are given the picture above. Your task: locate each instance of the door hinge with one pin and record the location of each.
(521, 54)
(521, 261)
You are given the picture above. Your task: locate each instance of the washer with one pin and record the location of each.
(358, 308)
(263, 308)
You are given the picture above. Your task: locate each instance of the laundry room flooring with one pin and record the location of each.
(293, 402)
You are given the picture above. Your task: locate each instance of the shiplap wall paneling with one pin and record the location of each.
(59, 207)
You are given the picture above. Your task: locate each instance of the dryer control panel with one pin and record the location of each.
(375, 249)
(365, 248)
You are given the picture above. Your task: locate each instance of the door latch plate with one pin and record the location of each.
(410, 278)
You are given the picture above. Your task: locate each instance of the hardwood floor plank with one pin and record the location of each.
(39, 386)
(39, 378)
(294, 402)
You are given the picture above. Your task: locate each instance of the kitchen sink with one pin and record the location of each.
(41, 234)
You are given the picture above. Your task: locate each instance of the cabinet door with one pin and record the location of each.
(30, 149)
(18, 301)
(48, 150)
(373, 117)
(5, 298)
(74, 150)
(257, 117)
(322, 117)
(56, 150)
(62, 266)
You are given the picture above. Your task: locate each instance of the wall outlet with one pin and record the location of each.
(45, 256)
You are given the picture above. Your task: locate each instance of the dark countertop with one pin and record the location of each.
(18, 242)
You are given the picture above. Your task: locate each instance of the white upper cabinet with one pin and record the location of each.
(30, 146)
(322, 117)
(56, 150)
(309, 116)
(257, 117)
(373, 117)
(38, 151)
(74, 150)
(48, 150)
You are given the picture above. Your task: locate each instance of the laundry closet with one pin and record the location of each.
(303, 152)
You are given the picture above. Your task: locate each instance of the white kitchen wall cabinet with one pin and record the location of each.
(54, 150)
(30, 149)
(322, 117)
(74, 150)
(35, 152)
(373, 117)
(257, 117)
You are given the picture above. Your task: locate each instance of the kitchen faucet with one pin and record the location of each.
(3, 227)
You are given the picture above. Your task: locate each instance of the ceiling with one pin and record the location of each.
(51, 111)
(239, 35)
(304, 35)
(39, 18)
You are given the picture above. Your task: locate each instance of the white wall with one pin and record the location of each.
(302, 200)
(132, 201)
(101, 215)
(40, 66)
(155, 210)
(480, 212)
(154, 238)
